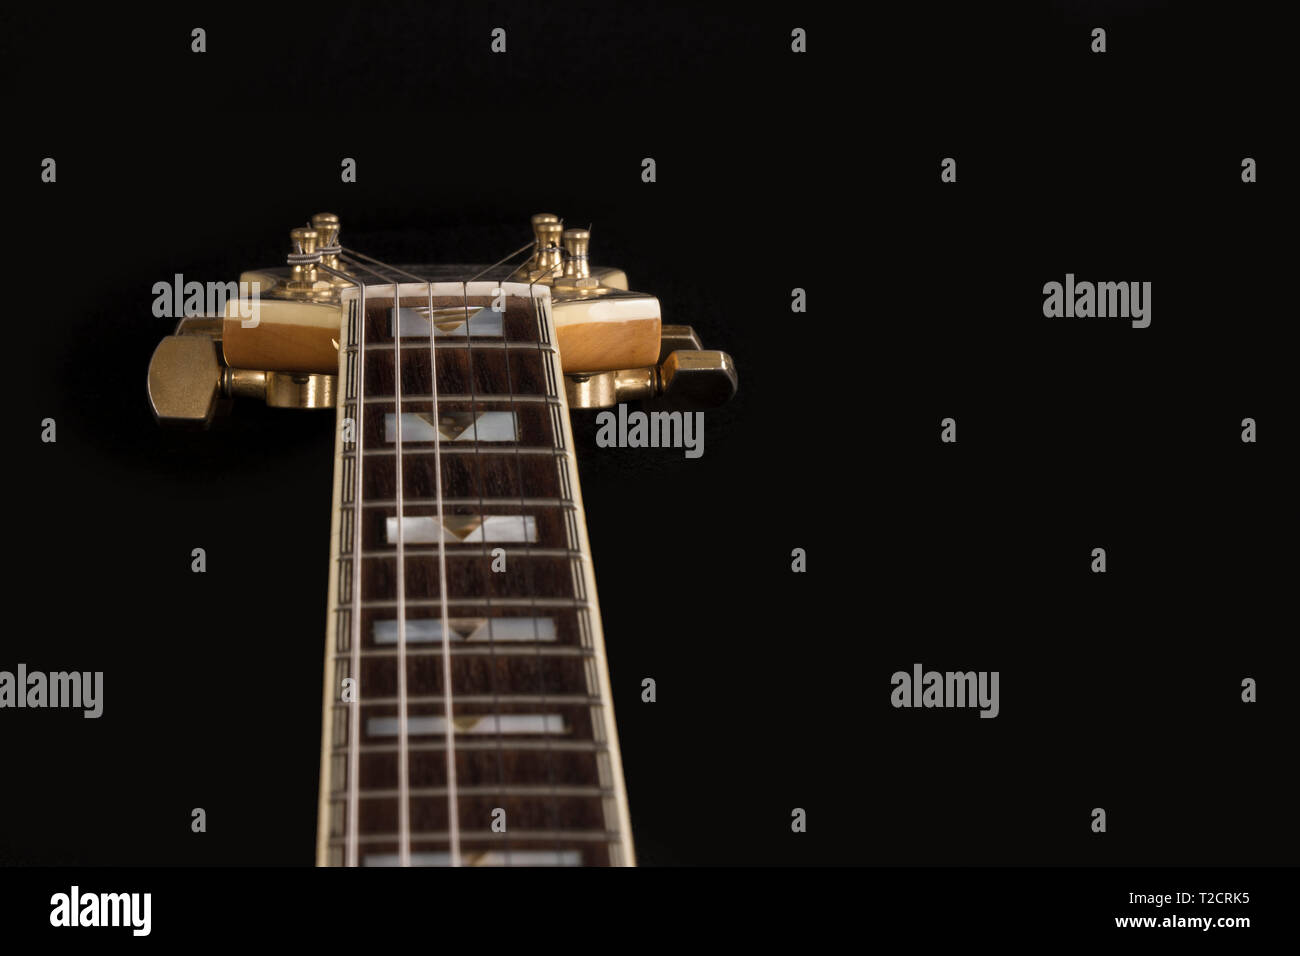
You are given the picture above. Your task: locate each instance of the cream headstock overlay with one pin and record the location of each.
(283, 347)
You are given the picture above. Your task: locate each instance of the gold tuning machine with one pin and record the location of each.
(189, 384)
(686, 377)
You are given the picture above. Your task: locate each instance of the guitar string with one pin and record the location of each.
(403, 812)
(453, 800)
(482, 508)
(532, 591)
(403, 767)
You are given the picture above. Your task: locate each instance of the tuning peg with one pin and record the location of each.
(687, 377)
(189, 384)
(692, 379)
(185, 380)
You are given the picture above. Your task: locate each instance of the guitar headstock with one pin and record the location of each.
(278, 339)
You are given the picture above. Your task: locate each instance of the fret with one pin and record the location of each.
(425, 400)
(470, 745)
(495, 649)
(513, 790)
(502, 501)
(483, 858)
(538, 700)
(428, 838)
(531, 601)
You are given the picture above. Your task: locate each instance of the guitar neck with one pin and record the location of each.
(467, 709)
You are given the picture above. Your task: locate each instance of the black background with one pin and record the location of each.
(774, 171)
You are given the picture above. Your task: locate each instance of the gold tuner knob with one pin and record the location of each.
(697, 378)
(184, 380)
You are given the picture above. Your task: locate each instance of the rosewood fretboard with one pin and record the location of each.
(495, 590)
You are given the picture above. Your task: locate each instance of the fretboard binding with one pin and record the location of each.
(505, 790)
(441, 836)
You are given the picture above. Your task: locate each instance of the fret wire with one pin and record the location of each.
(440, 836)
(471, 602)
(470, 449)
(567, 700)
(577, 746)
(515, 552)
(462, 398)
(485, 346)
(467, 502)
(469, 650)
(516, 790)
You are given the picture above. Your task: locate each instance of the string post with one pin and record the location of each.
(548, 256)
(576, 242)
(327, 228)
(303, 258)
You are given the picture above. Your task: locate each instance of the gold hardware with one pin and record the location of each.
(685, 378)
(548, 258)
(184, 375)
(576, 242)
(555, 259)
(302, 275)
(327, 229)
(189, 383)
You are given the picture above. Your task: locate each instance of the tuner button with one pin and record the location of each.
(184, 377)
(693, 379)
